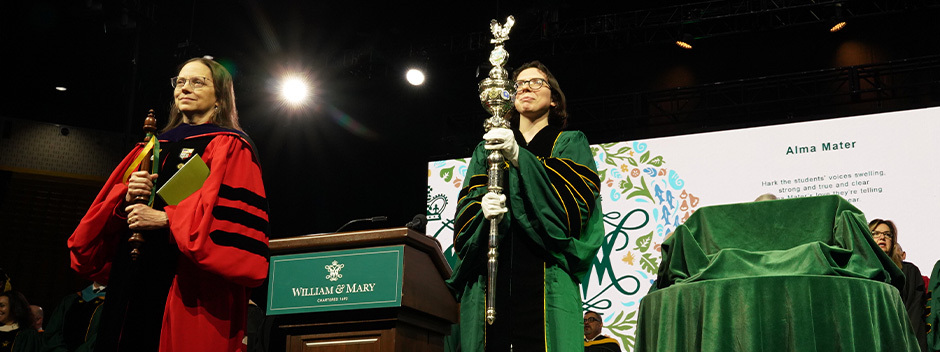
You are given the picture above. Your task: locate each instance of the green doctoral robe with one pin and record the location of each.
(74, 323)
(21, 340)
(602, 344)
(554, 205)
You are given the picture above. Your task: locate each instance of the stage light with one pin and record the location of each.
(294, 90)
(415, 77)
(838, 19)
(837, 27)
(685, 41)
(61, 89)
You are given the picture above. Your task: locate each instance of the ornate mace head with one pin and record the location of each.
(496, 91)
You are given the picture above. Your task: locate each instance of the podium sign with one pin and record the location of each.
(336, 280)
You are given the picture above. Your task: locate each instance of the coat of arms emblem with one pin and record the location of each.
(334, 270)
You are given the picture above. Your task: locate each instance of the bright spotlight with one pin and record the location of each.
(415, 77)
(294, 90)
(685, 42)
(837, 27)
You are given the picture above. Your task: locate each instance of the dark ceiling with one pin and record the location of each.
(361, 147)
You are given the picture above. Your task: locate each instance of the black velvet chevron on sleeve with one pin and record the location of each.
(575, 186)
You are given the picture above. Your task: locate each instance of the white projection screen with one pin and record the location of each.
(884, 164)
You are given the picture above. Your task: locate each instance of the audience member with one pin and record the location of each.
(16, 324)
(913, 294)
(257, 334)
(73, 326)
(925, 277)
(765, 196)
(37, 313)
(593, 340)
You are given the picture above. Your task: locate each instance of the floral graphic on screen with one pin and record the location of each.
(644, 201)
(445, 178)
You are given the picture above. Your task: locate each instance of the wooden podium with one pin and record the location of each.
(317, 307)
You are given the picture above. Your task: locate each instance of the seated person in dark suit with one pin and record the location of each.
(593, 340)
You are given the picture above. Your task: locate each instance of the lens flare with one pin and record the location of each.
(415, 77)
(294, 91)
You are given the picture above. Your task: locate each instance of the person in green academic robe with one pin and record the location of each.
(550, 226)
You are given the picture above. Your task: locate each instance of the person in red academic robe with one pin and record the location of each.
(188, 289)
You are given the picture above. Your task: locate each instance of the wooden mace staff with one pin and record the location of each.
(150, 126)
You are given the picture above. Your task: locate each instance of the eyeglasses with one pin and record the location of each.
(198, 82)
(876, 234)
(534, 84)
(591, 320)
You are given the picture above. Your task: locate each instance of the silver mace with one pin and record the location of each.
(496, 93)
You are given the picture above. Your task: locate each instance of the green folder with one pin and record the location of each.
(186, 181)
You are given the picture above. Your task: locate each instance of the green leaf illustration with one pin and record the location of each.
(594, 150)
(631, 161)
(624, 321)
(645, 157)
(626, 185)
(617, 319)
(447, 173)
(629, 342)
(643, 242)
(621, 327)
(648, 263)
(602, 174)
(642, 191)
(657, 161)
(610, 160)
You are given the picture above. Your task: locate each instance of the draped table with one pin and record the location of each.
(786, 275)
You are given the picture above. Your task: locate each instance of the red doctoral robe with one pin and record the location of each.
(218, 236)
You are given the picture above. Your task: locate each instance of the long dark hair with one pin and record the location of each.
(227, 114)
(19, 309)
(558, 114)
